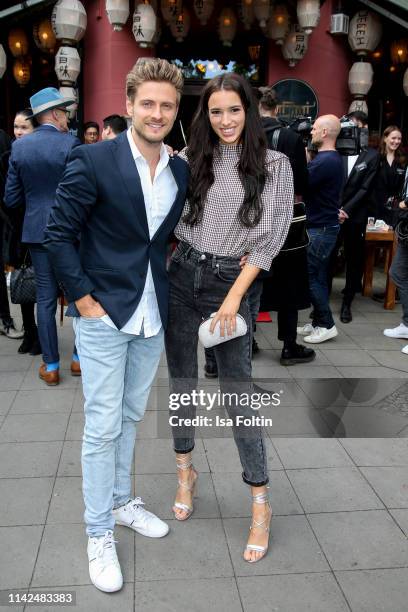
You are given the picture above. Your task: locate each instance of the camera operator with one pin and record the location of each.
(359, 172)
(322, 210)
(287, 290)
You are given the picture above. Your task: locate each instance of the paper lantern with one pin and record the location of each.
(246, 12)
(399, 52)
(171, 9)
(262, 10)
(405, 82)
(180, 25)
(67, 65)
(278, 24)
(339, 23)
(365, 32)
(3, 61)
(227, 26)
(203, 9)
(118, 13)
(144, 25)
(295, 45)
(22, 71)
(358, 105)
(69, 20)
(70, 93)
(360, 78)
(18, 42)
(308, 14)
(44, 36)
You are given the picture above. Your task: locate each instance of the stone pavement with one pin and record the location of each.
(338, 461)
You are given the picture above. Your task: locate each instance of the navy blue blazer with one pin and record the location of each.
(37, 163)
(100, 199)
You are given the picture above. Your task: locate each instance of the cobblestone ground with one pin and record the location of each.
(338, 461)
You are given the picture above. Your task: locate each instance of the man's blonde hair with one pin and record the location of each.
(153, 69)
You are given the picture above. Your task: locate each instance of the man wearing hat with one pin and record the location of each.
(37, 163)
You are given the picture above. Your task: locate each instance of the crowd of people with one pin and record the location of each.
(96, 222)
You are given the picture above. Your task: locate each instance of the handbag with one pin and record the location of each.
(298, 237)
(208, 339)
(22, 285)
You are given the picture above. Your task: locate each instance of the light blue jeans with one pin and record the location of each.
(117, 372)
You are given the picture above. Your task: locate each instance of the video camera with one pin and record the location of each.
(351, 140)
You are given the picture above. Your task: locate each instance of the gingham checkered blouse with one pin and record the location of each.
(220, 232)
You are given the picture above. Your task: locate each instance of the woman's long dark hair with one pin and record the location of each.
(203, 141)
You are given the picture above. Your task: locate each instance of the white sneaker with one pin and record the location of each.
(104, 568)
(401, 331)
(321, 334)
(144, 522)
(305, 330)
(405, 349)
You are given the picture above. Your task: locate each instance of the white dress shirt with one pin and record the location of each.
(159, 195)
(351, 161)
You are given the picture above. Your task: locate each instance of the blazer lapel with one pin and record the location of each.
(127, 168)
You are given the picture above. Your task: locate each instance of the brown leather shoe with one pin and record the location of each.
(75, 368)
(50, 378)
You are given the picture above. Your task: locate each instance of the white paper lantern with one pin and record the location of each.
(278, 24)
(262, 9)
(69, 93)
(144, 25)
(404, 82)
(171, 9)
(246, 12)
(180, 25)
(203, 9)
(69, 20)
(3, 61)
(364, 32)
(227, 26)
(67, 65)
(18, 42)
(44, 36)
(22, 71)
(360, 78)
(308, 14)
(295, 45)
(118, 13)
(358, 105)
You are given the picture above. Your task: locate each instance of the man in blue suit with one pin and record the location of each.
(37, 163)
(124, 197)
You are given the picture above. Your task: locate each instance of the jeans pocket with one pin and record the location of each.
(227, 272)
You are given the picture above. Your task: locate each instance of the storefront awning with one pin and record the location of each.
(395, 10)
(10, 8)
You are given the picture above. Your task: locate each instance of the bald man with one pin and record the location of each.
(322, 211)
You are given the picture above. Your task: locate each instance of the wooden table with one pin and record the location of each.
(387, 241)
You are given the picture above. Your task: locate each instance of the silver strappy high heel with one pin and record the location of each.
(261, 498)
(186, 465)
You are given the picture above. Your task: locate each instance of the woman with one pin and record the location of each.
(239, 202)
(18, 253)
(390, 177)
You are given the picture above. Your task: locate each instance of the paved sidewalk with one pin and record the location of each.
(339, 532)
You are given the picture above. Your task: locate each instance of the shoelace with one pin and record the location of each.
(137, 502)
(106, 549)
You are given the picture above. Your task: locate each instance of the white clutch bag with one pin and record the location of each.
(208, 339)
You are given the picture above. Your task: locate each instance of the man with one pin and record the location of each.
(322, 209)
(113, 125)
(7, 327)
(359, 173)
(124, 196)
(91, 132)
(287, 291)
(37, 163)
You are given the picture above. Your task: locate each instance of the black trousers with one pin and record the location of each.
(354, 245)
